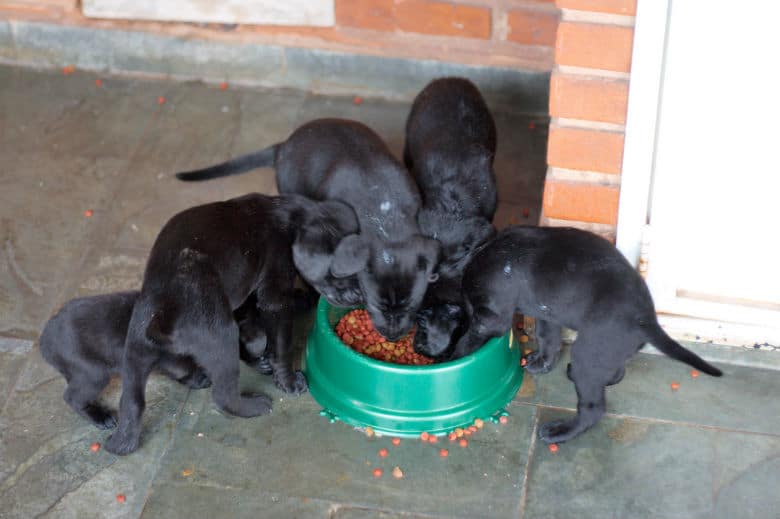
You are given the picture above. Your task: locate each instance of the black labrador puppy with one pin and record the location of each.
(205, 263)
(388, 265)
(450, 145)
(85, 342)
(572, 278)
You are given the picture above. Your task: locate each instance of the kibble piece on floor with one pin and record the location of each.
(424, 436)
(120, 498)
(675, 386)
(503, 420)
(444, 453)
(553, 447)
(397, 473)
(396, 441)
(382, 453)
(377, 472)
(694, 373)
(463, 442)
(94, 447)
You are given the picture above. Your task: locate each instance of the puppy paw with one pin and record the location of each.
(197, 380)
(260, 404)
(101, 417)
(294, 383)
(536, 364)
(120, 444)
(558, 431)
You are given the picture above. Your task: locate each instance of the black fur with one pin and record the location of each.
(572, 278)
(205, 263)
(388, 265)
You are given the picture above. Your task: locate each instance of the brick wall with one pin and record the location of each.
(504, 33)
(588, 101)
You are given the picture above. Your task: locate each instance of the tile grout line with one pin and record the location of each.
(526, 475)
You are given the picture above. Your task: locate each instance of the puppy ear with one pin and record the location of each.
(350, 256)
(342, 214)
(428, 258)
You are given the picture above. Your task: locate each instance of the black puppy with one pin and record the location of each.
(85, 341)
(389, 264)
(572, 278)
(205, 263)
(450, 145)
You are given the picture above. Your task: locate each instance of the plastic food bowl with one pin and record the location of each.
(407, 400)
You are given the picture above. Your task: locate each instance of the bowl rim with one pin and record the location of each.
(322, 325)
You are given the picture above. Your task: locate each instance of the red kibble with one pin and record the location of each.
(675, 386)
(94, 447)
(444, 453)
(452, 436)
(223, 85)
(356, 331)
(161, 100)
(463, 442)
(357, 100)
(466, 432)
(377, 472)
(433, 439)
(694, 373)
(396, 441)
(553, 447)
(523, 362)
(88, 213)
(120, 498)
(70, 69)
(424, 436)
(98, 82)
(503, 420)
(531, 125)
(473, 428)
(382, 453)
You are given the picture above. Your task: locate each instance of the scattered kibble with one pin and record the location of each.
(523, 338)
(186, 473)
(523, 361)
(382, 453)
(94, 447)
(397, 473)
(694, 373)
(424, 436)
(88, 213)
(396, 441)
(377, 472)
(369, 431)
(473, 428)
(433, 439)
(452, 436)
(357, 100)
(675, 386)
(466, 432)
(479, 423)
(459, 432)
(161, 100)
(120, 498)
(503, 420)
(70, 69)
(223, 85)
(444, 453)
(357, 331)
(98, 82)
(527, 351)
(463, 442)
(553, 447)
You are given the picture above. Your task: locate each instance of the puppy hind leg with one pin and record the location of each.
(548, 337)
(83, 398)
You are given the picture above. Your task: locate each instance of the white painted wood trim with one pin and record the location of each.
(641, 122)
(262, 12)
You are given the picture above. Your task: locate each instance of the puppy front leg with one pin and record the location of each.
(471, 341)
(279, 332)
(548, 337)
(139, 359)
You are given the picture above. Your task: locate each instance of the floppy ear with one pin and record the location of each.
(350, 256)
(430, 250)
(341, 213)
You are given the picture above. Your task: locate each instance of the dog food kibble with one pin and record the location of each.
(223, 85)
(466, 432)
(527, 351)
(98, 82)
(675, 386)
(479, 423)
(473, 428)
(433, 439)
(186, 473)
(369, 432)
(396, 441)
(120, 498)
(452, 436)
(358, 100)
(503, 420)
(382, 453)
(397, 473)
(523, 338)
(88, 213)
(70, 69)
(553, 447)
(463, 442)
(694, 373)
(377, 472)
(444, 453)
(161, 100)
(459, 432)
(424, 436)
(523, 362)
(356, 331)
(94, 447)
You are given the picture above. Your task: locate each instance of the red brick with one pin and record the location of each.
(592, 99)
(533, 26)
(581, 202)
(416, 16)
(626, 7)
(591, 45)
(589, 150)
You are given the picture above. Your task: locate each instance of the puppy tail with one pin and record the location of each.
(667, 345)
(242, 164)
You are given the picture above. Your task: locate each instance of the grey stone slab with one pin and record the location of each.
(11, 364)
(46, 466)
(295, 453)
(635, 468)
(58, 45)
(744, 399)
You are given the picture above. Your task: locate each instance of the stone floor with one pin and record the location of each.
(709, 449)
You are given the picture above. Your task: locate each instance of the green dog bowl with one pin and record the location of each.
(406, 400)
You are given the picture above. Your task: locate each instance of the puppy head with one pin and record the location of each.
(459, 238)
(321, 229)
(393, 278)
(437, 328)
